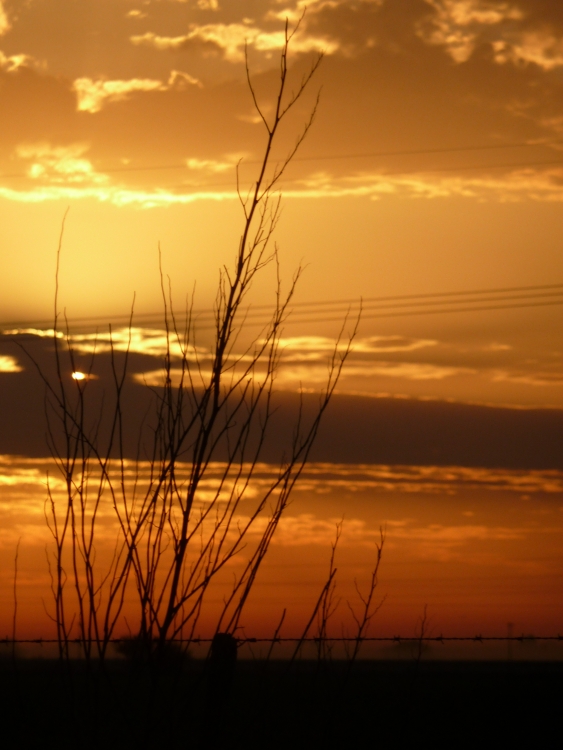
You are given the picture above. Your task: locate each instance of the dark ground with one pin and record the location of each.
(376, 704)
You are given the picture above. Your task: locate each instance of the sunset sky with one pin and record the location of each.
(430, 187)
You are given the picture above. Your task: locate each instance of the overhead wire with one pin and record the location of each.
(339, 157)
(323, 311)
(538, 288)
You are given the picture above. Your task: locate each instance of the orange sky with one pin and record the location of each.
(434, 166)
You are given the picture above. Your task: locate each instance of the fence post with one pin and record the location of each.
(220, 672)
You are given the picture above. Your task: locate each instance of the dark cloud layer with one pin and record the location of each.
(355, 429)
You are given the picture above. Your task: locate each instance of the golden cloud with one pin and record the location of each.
(231, 39)
(4, 22)
(159, 42)
(11, 63)
(115, 195)
(320, 345)
(209, 165)
(92, 94)
(517, 184)
(9, 364)
(533, 378)
(539, 48)
(296, 375)
(136, 13)
(314, 7)
(59, 164)
(181, 81)
(148, 341)
(457, 24)
(320, 478)
(24, 485)
(41, 332)
(304, 376)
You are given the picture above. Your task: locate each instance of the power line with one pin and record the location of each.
(339, 157)
(367, 307)
(390, 301)
(417, 313)
(368, 312)
(293, 320)
(373, 307)
(416, 152)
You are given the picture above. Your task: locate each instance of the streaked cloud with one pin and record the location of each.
(150, 39)
(374, 362)
(308, 529)
(115, 195)
(92, 94)
(230, 40)
(534, 378)
(44, 333)
(447, 543)
(322, 478)
(136, 13)
(146, 341)
(313, 347)
(512, 185)
(293, 375)
(23, 483)
(428, 479)
(496, 347)
(522, 184)
(210, 165)
(305, 363)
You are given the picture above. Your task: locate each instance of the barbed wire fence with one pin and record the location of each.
(315, 639)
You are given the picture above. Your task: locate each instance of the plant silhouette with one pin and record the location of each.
(180, 522)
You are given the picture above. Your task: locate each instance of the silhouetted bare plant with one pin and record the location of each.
(176, 537)
(368, 607)
(328, 603)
